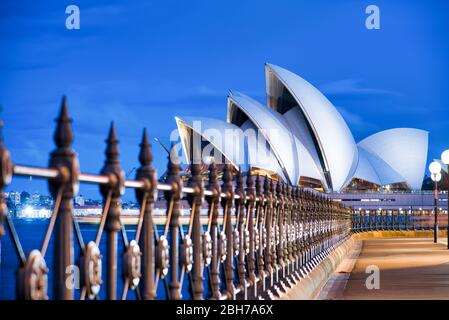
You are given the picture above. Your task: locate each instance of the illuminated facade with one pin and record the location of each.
(303, 140)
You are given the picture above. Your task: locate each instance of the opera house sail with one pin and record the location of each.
(300, 138)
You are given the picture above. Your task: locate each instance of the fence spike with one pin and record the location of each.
(226, 203)
(195, 201)
(63, 135)
(145, 154)
(113, 225)
(173, 198)
(148, 173)
(63, 157)
(213, 201)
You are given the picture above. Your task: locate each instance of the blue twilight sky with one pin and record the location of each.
(140, 63)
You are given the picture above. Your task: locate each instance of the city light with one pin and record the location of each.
(436, 177)
(435, 167)
(28, 211)
(445, 157)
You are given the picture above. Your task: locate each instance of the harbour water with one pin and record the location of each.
(31, 233)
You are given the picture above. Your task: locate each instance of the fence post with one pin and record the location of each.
(319, 228)
(306, 230)
(226, 203)
(262, 236)
(290, 234)
(240, 206)
(297, 242)
(287, 232)
(64, 159)
(173, 198)
(147, 173)
(280, 226)
(394, 220)
(313, 224)
(329, 223)
(113, 191)
(311, 216)
(268, 226)
(406, 222)
(389, 215)
(275, 228)
(302, 244)
(195, 201)
(214, 201)
(251, 192)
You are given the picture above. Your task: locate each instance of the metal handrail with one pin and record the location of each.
(51, 173)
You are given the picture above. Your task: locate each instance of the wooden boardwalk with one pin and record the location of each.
(409, 268)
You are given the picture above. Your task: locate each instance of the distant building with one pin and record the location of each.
(79, 200)
(35, 199)
(29, 212)
(14, 197)
(92, 203)
(24, 197)
(46, 201)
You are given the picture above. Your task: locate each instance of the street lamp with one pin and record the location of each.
(435, 170)
(445, 160)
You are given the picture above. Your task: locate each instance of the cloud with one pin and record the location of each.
(355, 121)
(204, 90)
(353, 86)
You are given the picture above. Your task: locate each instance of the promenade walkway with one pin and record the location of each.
(409, 268)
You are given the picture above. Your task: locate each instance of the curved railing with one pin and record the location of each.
(244, 237)
(394, 220)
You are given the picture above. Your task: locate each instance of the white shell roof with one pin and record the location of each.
(384, 171)
(336, 142)
(258, 153)
(305, 146)
(394, 147)
(309, 138)
(232, 143)
(365, 170)
(206, 127)
(307, 166)
(373, 169)
(273, 127)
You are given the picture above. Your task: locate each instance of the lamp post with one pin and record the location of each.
(445, 160)
(435, 170)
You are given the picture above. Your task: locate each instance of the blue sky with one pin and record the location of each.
(140, 63)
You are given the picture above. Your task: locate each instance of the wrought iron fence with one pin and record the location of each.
(394, 220)
(260, 236)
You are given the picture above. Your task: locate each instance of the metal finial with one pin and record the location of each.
(63, 135)
(227, 178)
(195, 169)
(250, 182)
(213, 181)
(112, 150)
(278, 188)
(258, 185)
(239, 181)
(145, 154)
(266, 186)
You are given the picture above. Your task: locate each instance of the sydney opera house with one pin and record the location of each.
(306, 141)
